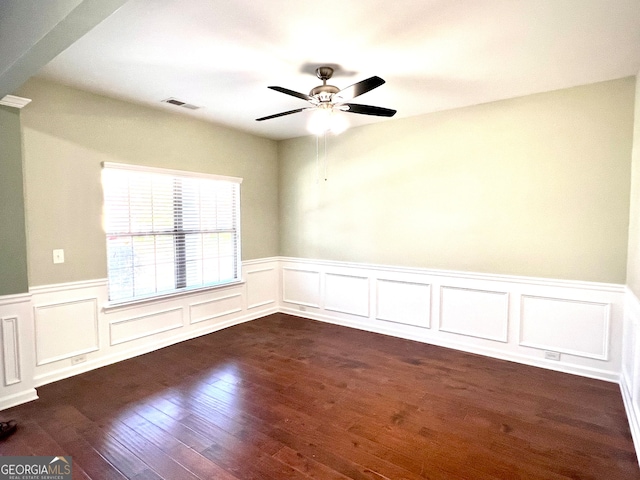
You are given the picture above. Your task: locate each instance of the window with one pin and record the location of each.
(169, 231)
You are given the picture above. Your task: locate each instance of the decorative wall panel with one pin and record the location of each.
(261, 287)
(347, 294)
(217, 307)
(571, 326)
(64, 330)
(10, 350)
(403, 302)
(129, 329)
(476, 313)
(301, 287)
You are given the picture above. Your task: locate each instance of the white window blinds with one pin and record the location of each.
(169, 231)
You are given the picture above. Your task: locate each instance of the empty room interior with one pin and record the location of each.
(356, 239)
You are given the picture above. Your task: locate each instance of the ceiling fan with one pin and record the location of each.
(329, 98)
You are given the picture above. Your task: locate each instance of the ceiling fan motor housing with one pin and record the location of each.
(324, 93)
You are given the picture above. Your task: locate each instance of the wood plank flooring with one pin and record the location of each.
(288, 398)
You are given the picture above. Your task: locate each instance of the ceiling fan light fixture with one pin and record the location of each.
(326, 120)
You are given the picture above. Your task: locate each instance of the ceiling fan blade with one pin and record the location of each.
(281, 114)
(303, 96)
(369, 110)
(359, 88)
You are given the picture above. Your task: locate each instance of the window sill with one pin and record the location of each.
(108, 307)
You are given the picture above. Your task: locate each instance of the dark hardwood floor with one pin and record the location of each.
(289, 398)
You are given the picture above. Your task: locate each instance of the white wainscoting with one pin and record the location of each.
(57, 331)
(53, 321)
(261, 287)
(215, 307)
(18, 357)
(301, 287)
(11, 350)
(474, 313)
(630, 375)
(580, 328)
(141, 326)
(405, 302)
(347, 294)
(513, 318)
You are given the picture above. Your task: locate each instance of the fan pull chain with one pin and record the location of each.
(317, 159)
(326, 162)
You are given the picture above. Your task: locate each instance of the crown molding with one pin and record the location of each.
(15, 102)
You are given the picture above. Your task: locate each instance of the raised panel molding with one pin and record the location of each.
(347, 294)
(575, 327)
(261, 287)
(301, 287)
(215, 308)
(630, 378)
(630, 350)
(475, 313)
(11, 350)
(403, 302)
(66, 329)
(135, 328)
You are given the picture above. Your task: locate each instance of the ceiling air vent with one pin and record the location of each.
(180, 103)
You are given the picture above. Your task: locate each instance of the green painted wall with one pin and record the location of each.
(13, 250)
(68, 133)
(533, 186)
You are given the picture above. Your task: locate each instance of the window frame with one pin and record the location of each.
(178, 291)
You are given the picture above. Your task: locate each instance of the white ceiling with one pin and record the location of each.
(433, 54)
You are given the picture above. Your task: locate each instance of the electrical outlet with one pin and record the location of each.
(549, 355)
(302, 308)
(78, 359)
(58, 255)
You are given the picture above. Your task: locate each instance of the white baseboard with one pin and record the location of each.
(18, 398)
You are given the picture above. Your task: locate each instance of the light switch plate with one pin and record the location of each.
(58, 256)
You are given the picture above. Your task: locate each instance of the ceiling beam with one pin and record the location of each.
(44, 46)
